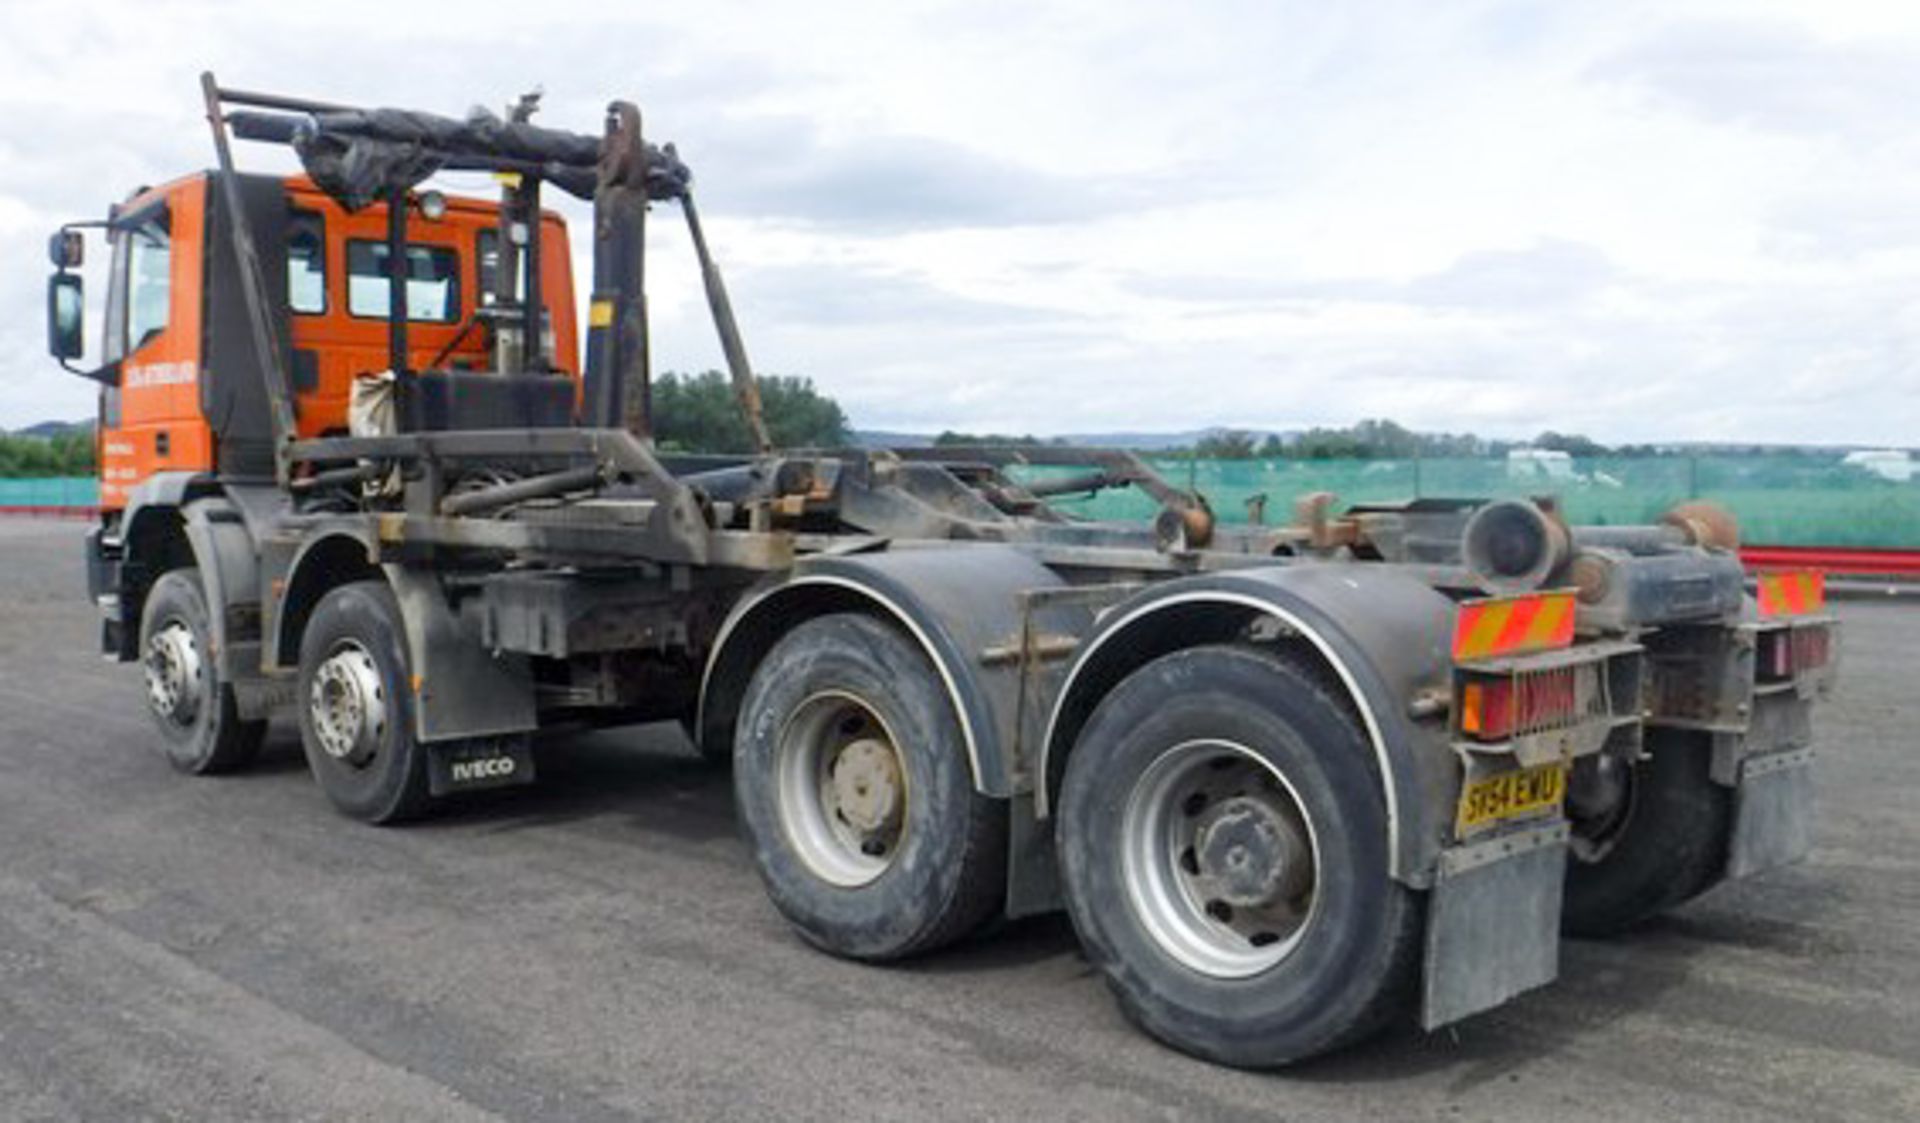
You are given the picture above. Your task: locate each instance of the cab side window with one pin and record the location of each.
(486, 244)
(306, 263)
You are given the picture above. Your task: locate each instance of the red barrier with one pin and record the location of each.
(1833, 559)
(51, 512)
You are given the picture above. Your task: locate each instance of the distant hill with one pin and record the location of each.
(49, 429)
(884, 438)
(1153, 442)
(1140, 441)
(1145, 441)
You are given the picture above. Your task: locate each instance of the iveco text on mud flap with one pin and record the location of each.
(478, 764)
(1290, 782)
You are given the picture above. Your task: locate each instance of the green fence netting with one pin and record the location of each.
(1779, 500)
(74, 491)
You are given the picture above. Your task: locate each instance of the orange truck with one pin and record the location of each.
(1292, 782)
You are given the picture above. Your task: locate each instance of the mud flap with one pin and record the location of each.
(1493, 923)
(1772, 812)
(462, 689)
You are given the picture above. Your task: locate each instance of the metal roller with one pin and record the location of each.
(1511, 545)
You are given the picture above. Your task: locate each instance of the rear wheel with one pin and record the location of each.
(854, 788)
(1647, 836)
(356, 708)
(1223, 844)
(200, 726)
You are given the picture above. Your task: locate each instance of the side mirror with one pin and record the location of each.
(66, 316)
(67, 249)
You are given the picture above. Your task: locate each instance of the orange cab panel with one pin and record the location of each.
(338, 299)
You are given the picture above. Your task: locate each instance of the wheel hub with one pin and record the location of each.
(174, 674)
(866, 787)
(1600, 795)
(1219, 858)
(348, 705)
(1250, 854)
(842, 787)
(1596, 790)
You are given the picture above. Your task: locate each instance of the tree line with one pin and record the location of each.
(698, 413)
(1369, 440)
(692, 413)
(63, 454)
(1381, 439)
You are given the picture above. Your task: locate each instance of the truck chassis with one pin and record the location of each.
(1291, 782)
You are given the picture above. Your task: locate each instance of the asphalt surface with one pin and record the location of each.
(598, 947)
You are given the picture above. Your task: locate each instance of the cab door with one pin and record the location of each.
(151, 421)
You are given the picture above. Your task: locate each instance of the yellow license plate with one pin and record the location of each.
(1510, 795)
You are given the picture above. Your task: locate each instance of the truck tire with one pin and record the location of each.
(854, 788)
(1661, 842)
(1223, 846)
(356, 706)
(201, 730)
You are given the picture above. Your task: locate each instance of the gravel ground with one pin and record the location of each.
(598, 947)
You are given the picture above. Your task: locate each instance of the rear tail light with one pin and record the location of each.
(1786, 652)
(1499, 708)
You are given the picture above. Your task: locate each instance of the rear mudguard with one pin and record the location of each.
(1382, 635)
(1383, 639)
(969, 608)
(1025, 657)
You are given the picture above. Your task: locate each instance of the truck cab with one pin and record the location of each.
(180, 390)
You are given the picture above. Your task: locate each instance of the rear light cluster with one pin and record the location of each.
(1787, 652)
(1498, 708)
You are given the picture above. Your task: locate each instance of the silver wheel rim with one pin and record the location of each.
(176, 675)
(348, 705)
(1220, 860)
(842, 789)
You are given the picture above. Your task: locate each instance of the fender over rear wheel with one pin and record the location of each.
(1223, 844)
(855, 792)
(356, 707)
(200, 726)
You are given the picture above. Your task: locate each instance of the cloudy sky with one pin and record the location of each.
(1637, 220)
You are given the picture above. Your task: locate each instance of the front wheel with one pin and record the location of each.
(201, 729)
(1223, 843)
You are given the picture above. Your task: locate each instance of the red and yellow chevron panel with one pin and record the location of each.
(1792, 592)
(1513, 625)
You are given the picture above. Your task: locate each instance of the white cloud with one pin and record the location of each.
(1641, 220)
